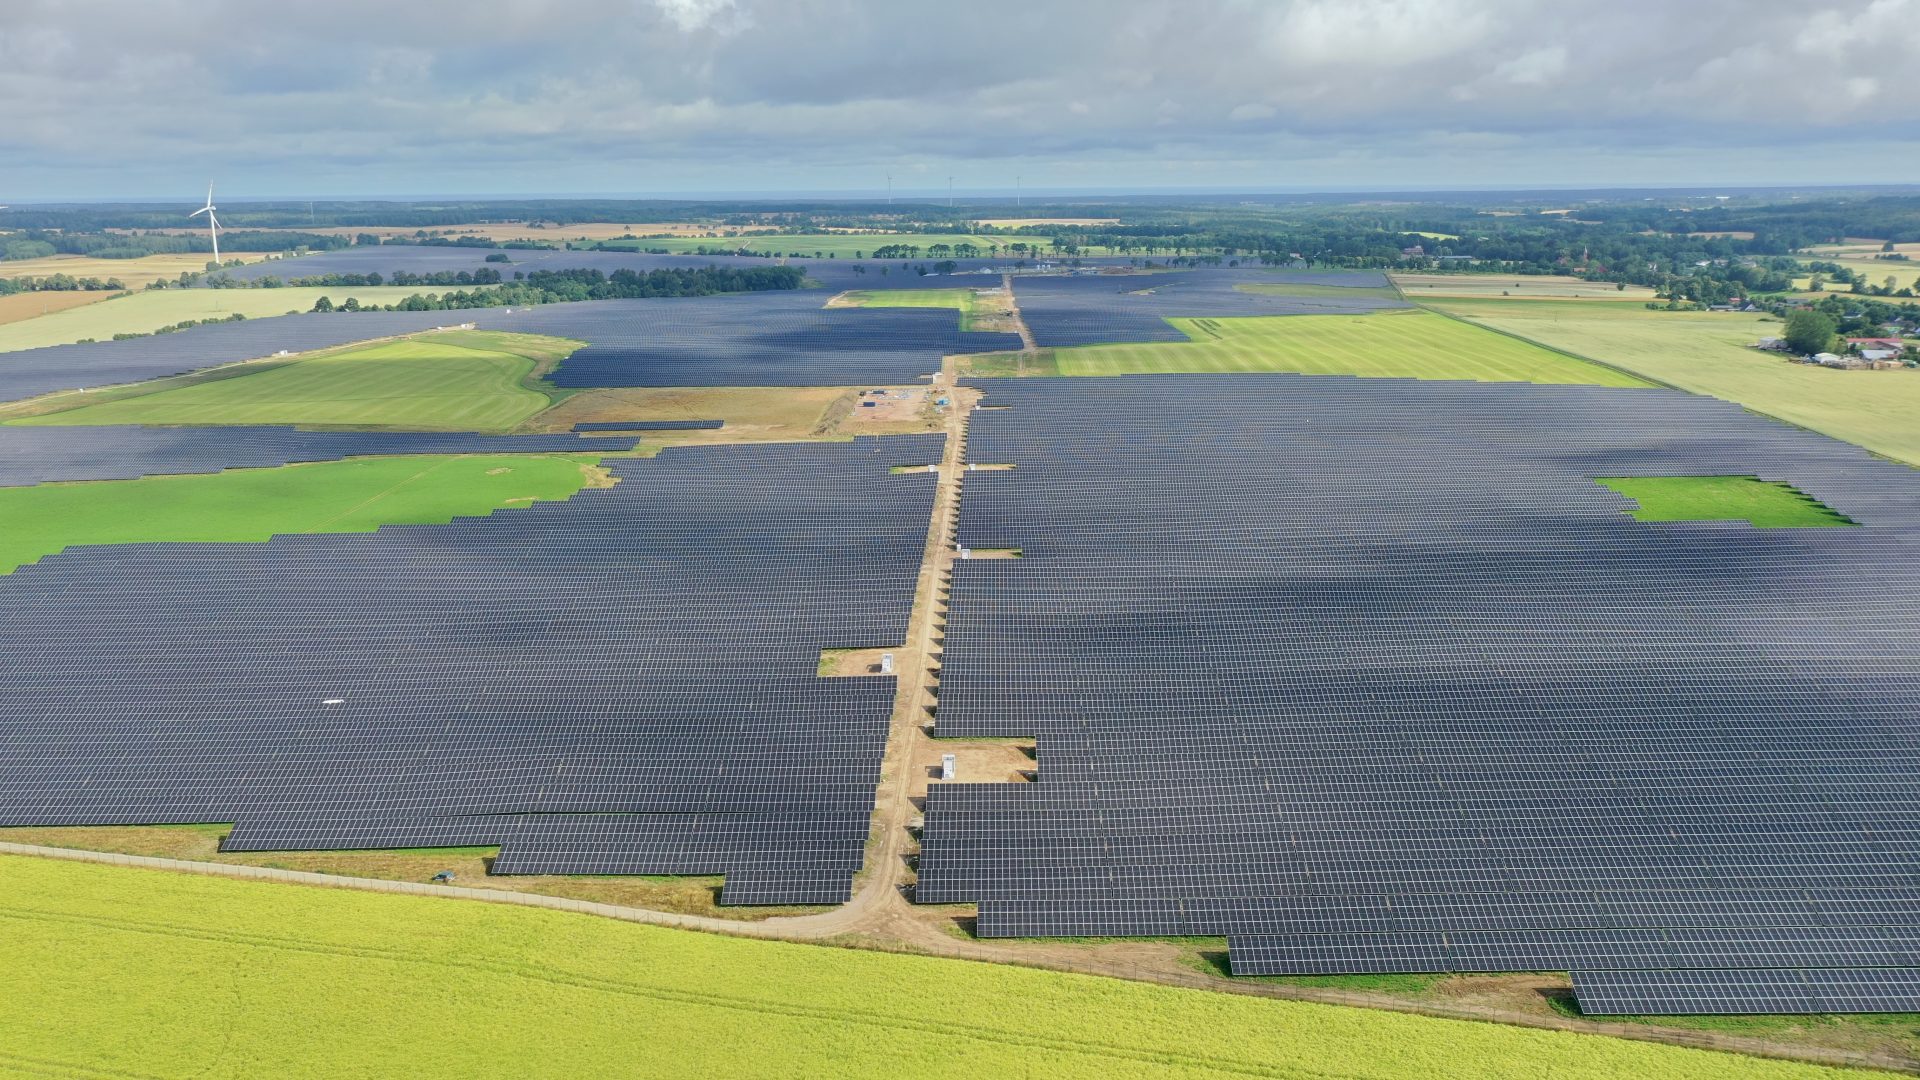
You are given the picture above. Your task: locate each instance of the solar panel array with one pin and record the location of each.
(1096, 309)
(38, 455)
(1747, 990)
(1372, 675)
(751, 339)
(624, 682)
(760, 339)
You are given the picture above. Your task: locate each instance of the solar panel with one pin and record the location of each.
(623, 682)
(1371, 675)
(1746, 991)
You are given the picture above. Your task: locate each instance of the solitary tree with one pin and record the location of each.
(323, 304)
(1809, 332)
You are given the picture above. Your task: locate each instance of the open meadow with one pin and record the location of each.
(1709, 353)
(459, 381)
(119, 971)
(1392, 345)
(253, 505)
(145, 312)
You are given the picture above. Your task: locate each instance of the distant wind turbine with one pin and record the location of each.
(213, 225)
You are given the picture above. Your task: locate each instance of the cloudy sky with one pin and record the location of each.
(107, 98)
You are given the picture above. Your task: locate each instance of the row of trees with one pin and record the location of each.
(557, 286)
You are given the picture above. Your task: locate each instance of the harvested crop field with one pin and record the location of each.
(20, 307)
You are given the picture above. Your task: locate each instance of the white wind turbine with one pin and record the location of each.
(213, 226)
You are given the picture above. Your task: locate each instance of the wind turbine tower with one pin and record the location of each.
(213, 226)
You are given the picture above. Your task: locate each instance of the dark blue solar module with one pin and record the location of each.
(1357, 664)
(760, 339)
(37, 455)
(624, 682)
(1091, 309)
(1746, 990)
(649, 425)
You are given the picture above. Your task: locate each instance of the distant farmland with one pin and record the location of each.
(1709, 353)
(145, 312)
(837, 245)
(135, 273)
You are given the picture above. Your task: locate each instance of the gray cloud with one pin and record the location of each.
(116, 97)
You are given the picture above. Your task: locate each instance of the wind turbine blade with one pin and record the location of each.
(202, 210)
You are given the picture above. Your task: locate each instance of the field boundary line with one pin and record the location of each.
(1570, 354)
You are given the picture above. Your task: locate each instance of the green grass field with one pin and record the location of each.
(1398, 344)
(124, 972)
(1723, 498)
(838, 245)
(960, 300)
(252, 505)
(465, 381)
(1707, 352)
(145, 312)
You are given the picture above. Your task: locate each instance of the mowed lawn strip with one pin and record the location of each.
(1401, 344)
(252, 505)
(113, 970)
(145, 312)
(1723, 498)
(457, 382)
(1709, 352)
